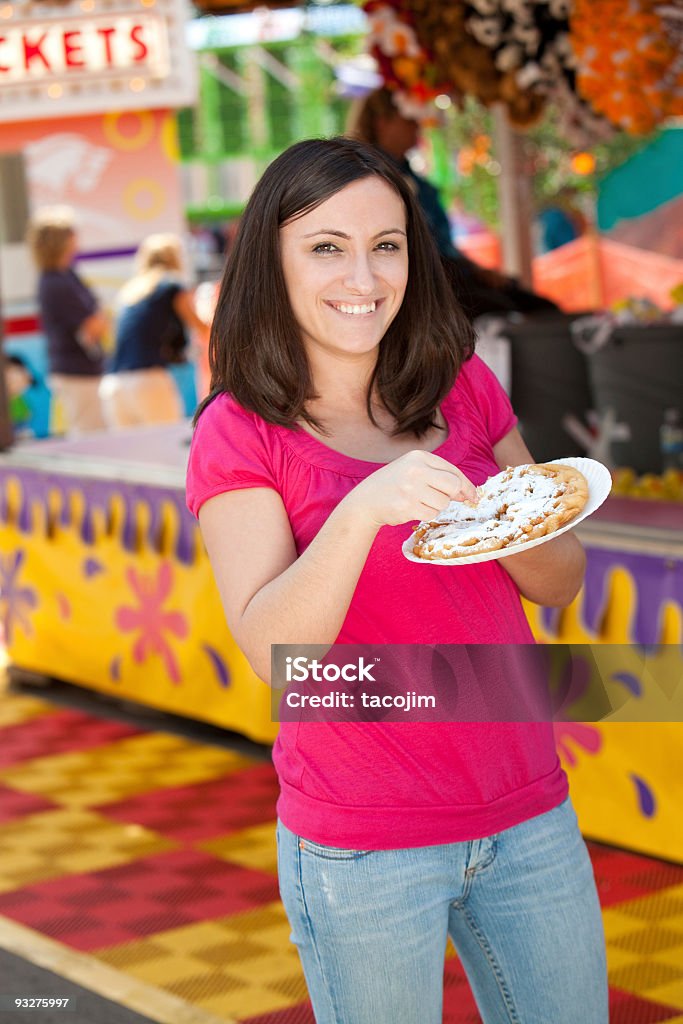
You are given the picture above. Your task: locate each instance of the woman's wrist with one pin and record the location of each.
(352, 516)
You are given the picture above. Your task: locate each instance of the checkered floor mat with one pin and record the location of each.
(155, 855)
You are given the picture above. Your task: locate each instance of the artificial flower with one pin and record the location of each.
(628, 64)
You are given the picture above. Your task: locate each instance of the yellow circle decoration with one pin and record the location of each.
(169, 138)
(129, 143)
(144, 199)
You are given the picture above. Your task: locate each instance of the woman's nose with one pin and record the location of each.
(359, 277)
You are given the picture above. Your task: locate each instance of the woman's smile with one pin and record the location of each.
(354, 309)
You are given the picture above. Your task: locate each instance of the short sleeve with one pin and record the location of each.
(169, 288)
(490, 399)
(230, 451)
(66, 301)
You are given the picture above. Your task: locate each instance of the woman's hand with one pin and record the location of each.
(184, 308)
(418, 485)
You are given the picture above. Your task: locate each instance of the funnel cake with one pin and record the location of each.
(518, 505)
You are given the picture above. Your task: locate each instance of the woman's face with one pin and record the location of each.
(397, 134)
(346, 268)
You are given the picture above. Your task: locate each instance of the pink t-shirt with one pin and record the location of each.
(384, 785)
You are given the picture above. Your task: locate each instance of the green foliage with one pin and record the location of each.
(471, 176)
(550, 155)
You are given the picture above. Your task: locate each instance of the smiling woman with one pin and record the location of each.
(346, 403)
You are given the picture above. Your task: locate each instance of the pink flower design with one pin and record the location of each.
(151, 619)
(585, 736)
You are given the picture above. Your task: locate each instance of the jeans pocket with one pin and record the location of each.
(329, 852)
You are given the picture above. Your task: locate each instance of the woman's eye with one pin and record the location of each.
(324, 247)
(388, 247)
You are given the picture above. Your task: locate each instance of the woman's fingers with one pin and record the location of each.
(431, 459)
(453, 484)
(437, 502)
(427, 512)
(418, 485)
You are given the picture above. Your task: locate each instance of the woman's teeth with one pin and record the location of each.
(344, 308)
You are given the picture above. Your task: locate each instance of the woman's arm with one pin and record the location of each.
(184, 308)
(269, 595)
(550, 574)
(93, 330)
(272, 596)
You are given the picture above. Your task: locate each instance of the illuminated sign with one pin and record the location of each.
(91, 57)
(31, 52)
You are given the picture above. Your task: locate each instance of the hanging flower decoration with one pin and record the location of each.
(465, 62)
(628, 62)
(577, 121)
(509, 51)
(604, 64)
(671, 15)
(394, 36)
(532, 50)
(404, 64)
(528, 38)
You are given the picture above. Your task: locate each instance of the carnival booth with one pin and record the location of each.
(104, 582)
(87, 120)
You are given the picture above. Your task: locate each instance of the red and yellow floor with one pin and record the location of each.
(142, 864)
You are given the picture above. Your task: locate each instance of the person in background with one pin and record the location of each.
(346, 403)
(559, 221)
(28, 398)
(74, 325)
(378, 121)
(153, 315)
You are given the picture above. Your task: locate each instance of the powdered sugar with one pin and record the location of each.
(509, 504)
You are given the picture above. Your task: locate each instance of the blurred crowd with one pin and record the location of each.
(106, 368)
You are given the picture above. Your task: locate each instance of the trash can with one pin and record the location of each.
(639, 374)
(549, 381)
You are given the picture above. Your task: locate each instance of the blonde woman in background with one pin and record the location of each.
(154, 313)
(72, 320)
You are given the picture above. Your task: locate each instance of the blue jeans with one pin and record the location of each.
(521, 908)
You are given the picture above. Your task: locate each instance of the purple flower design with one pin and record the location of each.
(218, 664)
(647, 802)
(15, 601)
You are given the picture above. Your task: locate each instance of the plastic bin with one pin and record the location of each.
(639, 373)
(549, 381)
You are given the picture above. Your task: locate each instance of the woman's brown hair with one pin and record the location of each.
(256, 352)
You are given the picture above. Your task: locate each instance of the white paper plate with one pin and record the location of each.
(599, 486)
